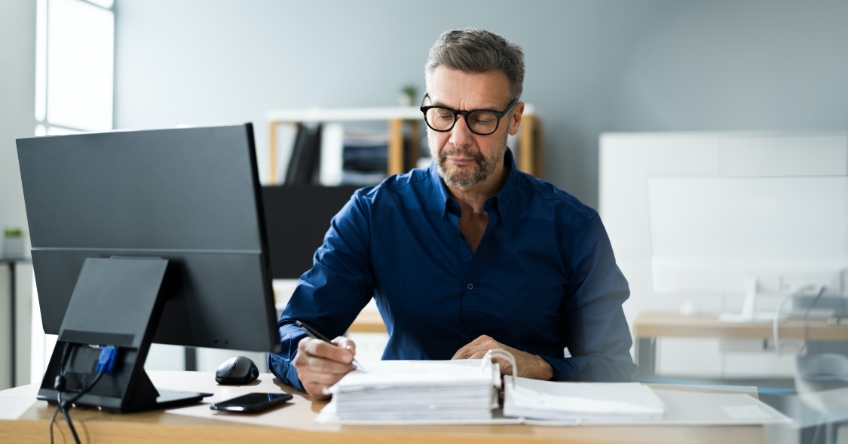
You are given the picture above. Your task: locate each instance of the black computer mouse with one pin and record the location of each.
(238, 370)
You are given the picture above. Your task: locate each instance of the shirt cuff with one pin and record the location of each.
(563, 369)
(284, 370)
(591, 369)
(281, 364)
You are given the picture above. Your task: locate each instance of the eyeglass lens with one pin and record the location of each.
(480, 122)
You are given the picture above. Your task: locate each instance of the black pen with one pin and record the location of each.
(315, 335)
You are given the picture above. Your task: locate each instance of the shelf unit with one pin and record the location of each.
(400, 158)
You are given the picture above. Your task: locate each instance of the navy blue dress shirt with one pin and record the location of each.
(542, 278)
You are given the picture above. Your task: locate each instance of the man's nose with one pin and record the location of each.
(460, 134)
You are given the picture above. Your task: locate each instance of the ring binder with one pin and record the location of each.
(463, 392)
(502, 353)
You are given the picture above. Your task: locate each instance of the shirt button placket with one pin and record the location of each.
(468, 312)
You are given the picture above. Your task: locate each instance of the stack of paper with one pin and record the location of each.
(565, 401)
(417, 391)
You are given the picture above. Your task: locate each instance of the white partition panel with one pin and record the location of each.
(710, 235)
(626, 162)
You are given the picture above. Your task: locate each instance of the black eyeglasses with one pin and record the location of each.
(480, 121)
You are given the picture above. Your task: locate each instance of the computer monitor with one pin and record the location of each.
(146, 236)
(748, 235)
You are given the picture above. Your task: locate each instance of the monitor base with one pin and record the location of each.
(167, 399)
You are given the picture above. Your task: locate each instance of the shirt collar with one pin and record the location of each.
(499, 202)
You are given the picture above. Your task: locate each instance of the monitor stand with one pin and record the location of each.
(116, 302)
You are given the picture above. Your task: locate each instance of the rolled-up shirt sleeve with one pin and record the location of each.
(593, 324)
(331, 294)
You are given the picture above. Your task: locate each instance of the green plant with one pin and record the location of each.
(13, 232)
(410, 90)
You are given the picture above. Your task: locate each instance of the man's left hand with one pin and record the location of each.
(529, 366)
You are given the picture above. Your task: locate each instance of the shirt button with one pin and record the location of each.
(470, 286)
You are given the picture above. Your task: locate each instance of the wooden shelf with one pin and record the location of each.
(343, 114)
(400, 158)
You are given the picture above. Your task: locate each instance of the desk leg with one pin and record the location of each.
(13, 309)
(646, 355)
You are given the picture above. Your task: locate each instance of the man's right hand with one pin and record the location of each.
(320, 365)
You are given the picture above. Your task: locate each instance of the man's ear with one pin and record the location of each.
(515, 120)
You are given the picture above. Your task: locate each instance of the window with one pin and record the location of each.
(75, 43)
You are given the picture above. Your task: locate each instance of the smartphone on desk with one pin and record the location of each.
(252, 402)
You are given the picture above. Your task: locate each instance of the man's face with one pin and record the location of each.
(462, 157)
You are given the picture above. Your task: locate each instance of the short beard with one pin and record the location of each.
(466, 179)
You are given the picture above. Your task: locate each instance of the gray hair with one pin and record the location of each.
(475, 50)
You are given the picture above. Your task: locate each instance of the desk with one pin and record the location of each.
(294, 423)
(368, 321)
(11, 262)
(649, 326)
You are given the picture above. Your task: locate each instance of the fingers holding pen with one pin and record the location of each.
(346, 344)
(320, 364)
(326, 357)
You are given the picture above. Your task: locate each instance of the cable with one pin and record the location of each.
(776, 322)
(72, 401)
(64, 410)
(59, 386)
(52, 420)
(105, 364)
(85, 390)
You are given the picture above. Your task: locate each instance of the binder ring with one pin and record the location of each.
(502, 353)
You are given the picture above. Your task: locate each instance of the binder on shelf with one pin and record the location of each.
(352, 156)
(286, 137)
(305, 156)
(332, 151)
(365, 156)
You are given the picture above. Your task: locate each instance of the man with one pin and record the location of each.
(469, 254)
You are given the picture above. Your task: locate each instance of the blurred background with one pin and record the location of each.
(711, 136)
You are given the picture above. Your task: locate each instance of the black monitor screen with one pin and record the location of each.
(189, 195)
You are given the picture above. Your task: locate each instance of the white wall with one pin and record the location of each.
(729, 65)
(592, 67)
(200, 61)
(17, 119)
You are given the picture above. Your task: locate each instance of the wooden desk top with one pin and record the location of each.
(368, 321)
(24, 420)
(669, 324)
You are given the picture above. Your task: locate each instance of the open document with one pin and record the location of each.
(565, 401)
